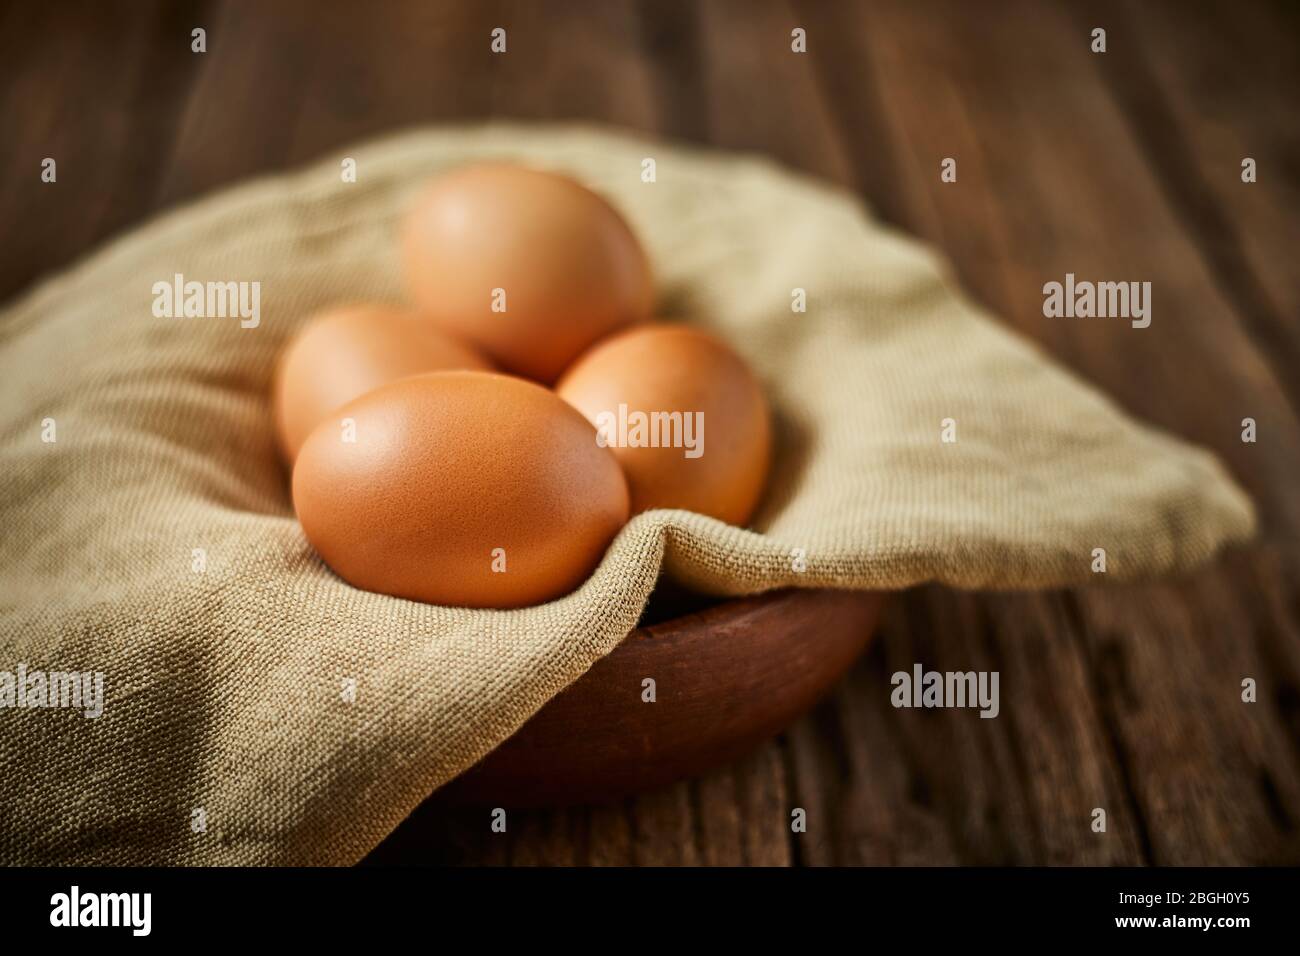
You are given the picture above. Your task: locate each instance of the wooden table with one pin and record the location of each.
(1123, 165)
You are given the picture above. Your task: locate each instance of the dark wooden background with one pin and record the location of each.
(1122, 166)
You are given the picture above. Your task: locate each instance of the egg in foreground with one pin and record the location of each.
(469, 489)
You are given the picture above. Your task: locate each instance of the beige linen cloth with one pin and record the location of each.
(153, 540)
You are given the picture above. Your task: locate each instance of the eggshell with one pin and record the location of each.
(569, 267)
(347, 351)
(453, 476)
(673, 368)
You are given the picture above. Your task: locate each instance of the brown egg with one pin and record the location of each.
(344, 353)
(530, 266)
(460, 488)
(689, 394)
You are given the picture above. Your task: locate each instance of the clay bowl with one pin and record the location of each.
(727, 677)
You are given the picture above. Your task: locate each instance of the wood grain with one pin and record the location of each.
(1123, 165)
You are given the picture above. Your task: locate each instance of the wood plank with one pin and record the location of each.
(574, 61)
(1198, 114)
(609, 836)
(760, 95)
(549, 838)
(97, 87)
(285, 83)
(669, 51)
(663, 828)
(761, 792)
(240, 118)
(1058, 184)
(1215, 777)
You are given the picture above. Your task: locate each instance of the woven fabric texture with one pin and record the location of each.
(153, 539)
